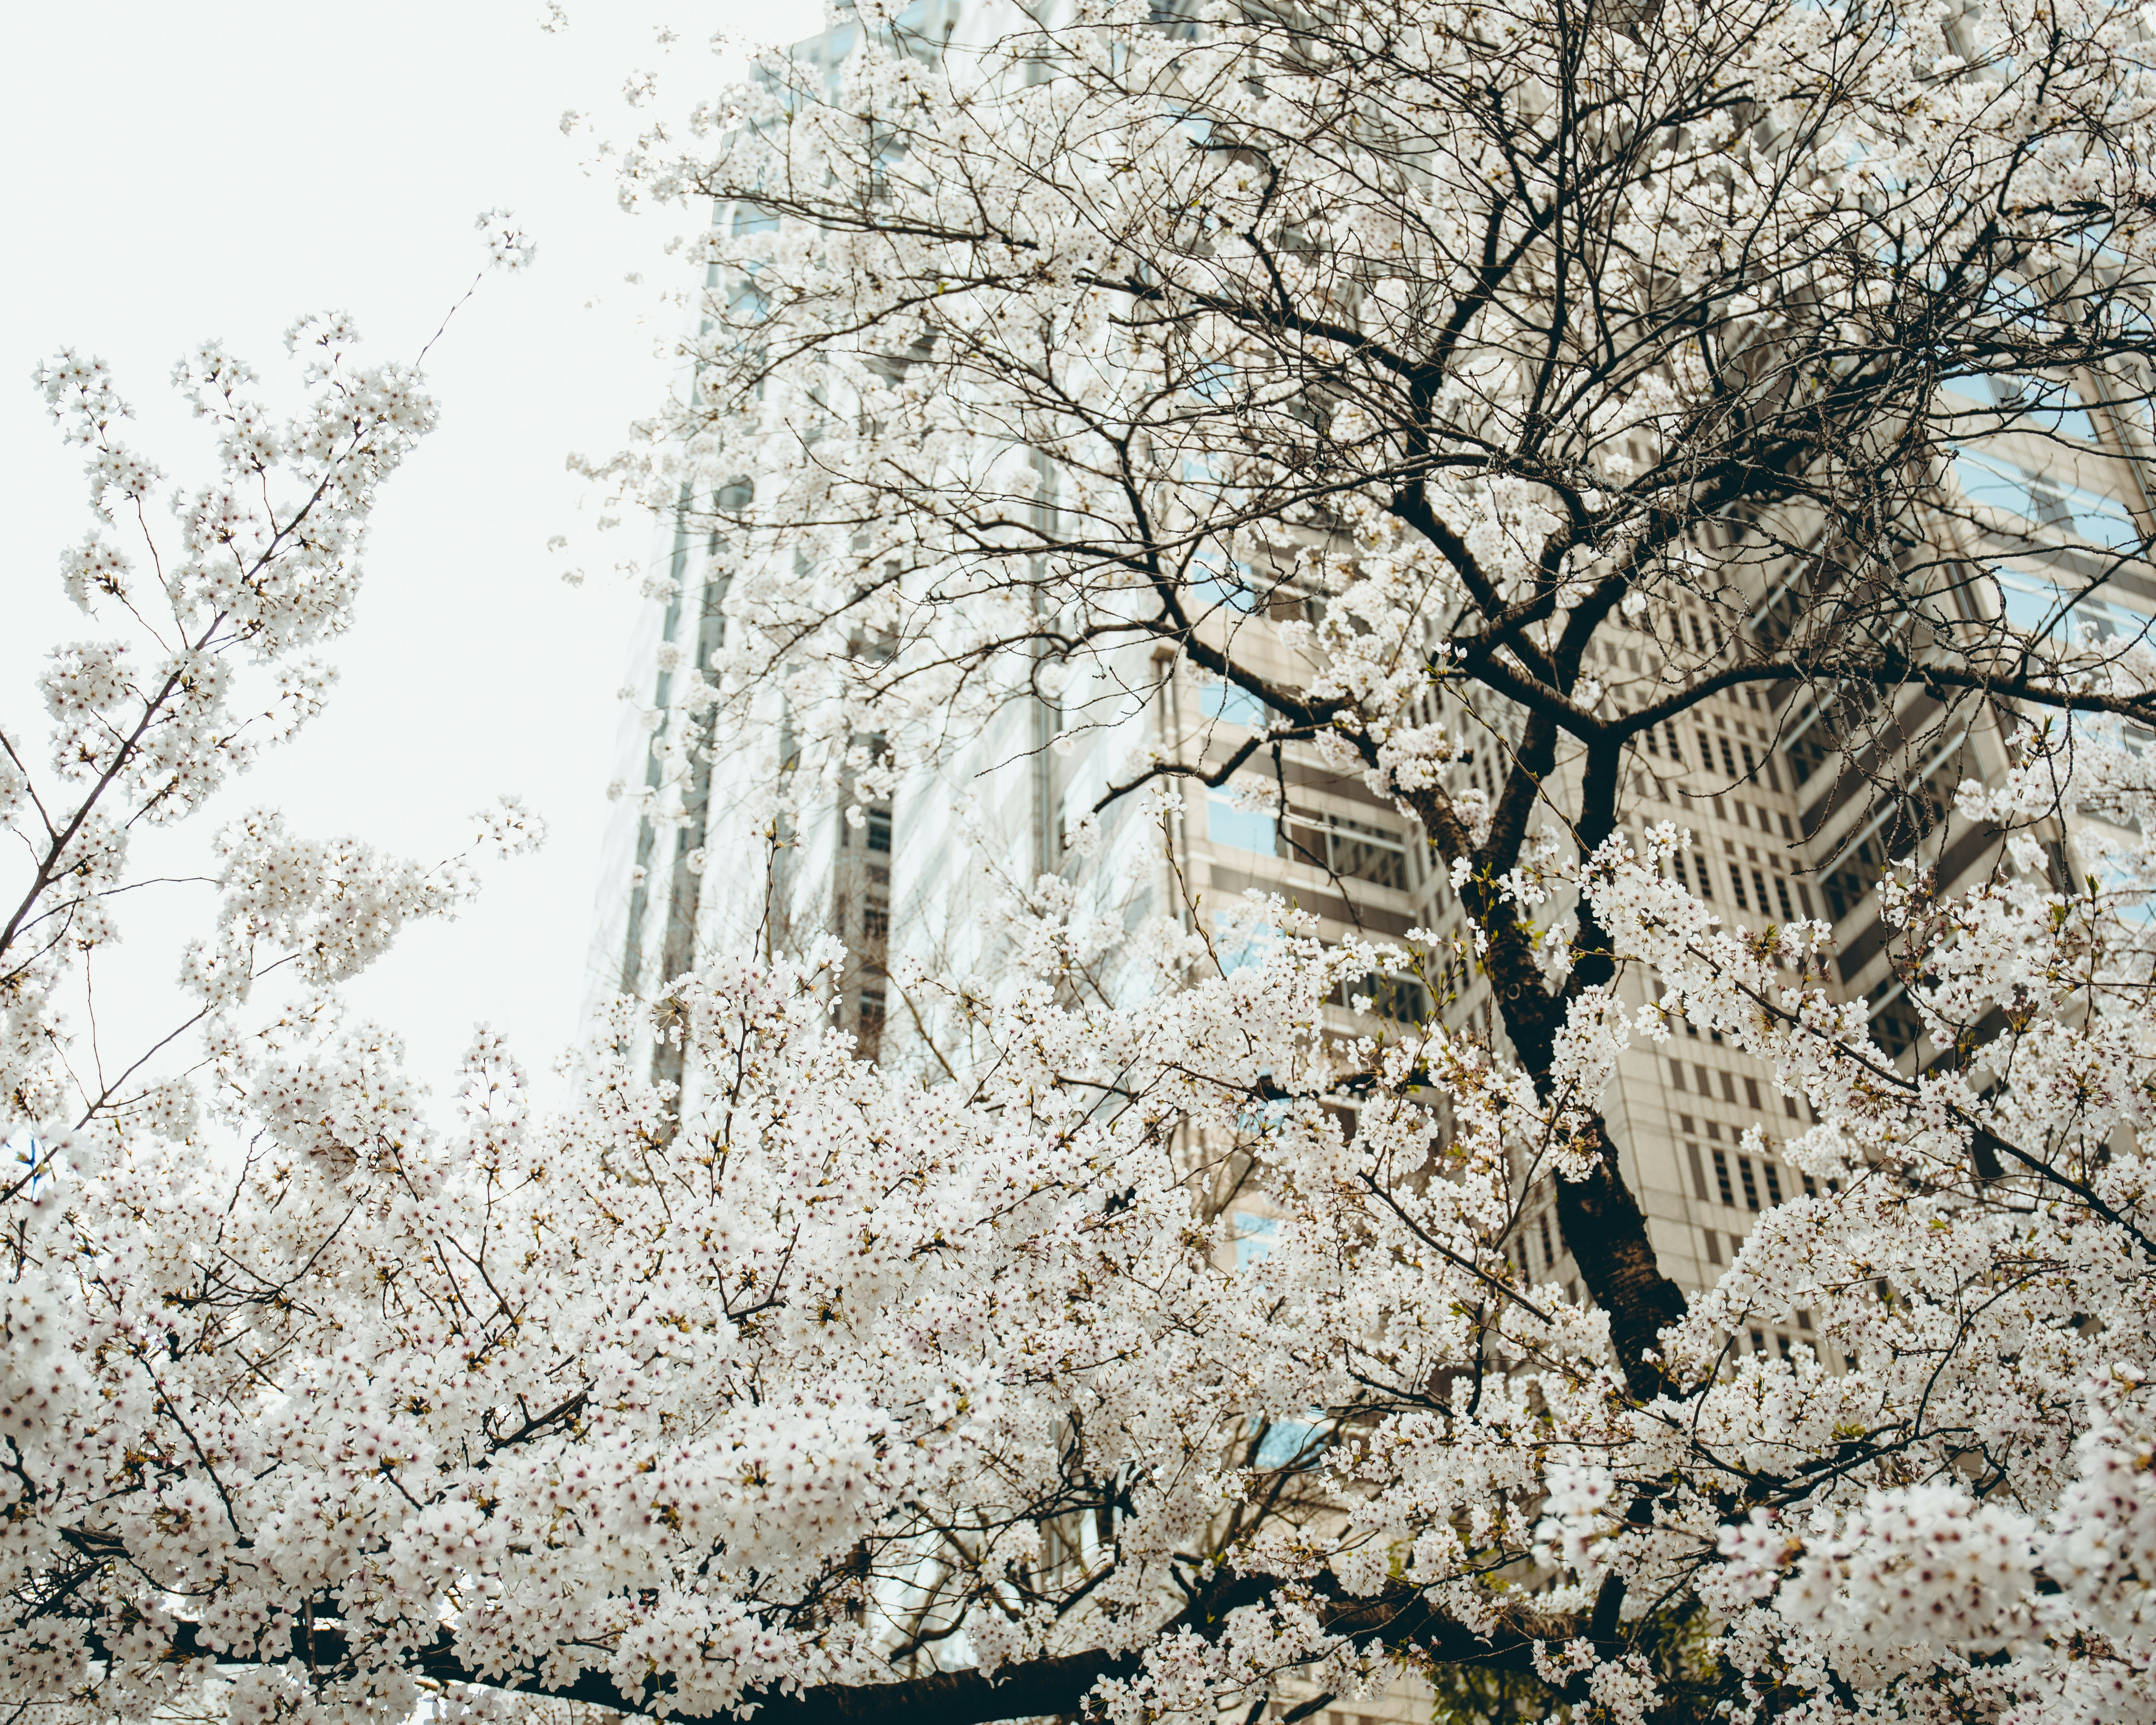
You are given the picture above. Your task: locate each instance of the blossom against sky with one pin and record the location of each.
(183, 173)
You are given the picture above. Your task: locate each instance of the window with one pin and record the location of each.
(1849, 885)
(1549, 1251)
(1751, 1185)
(2039, 606)
(1997, 483)
(879, 825)
(1350, 848)
(1698, 1173)
(1284, 1441)
(1895, 1027)
(1773, 1183)
(1736, 885)
(1752, 1095)
(1225, 701)
(1722, 1179)
(1367, 853)
(2050, 409)
(875, 923)
(1400, 998)
(869, 1022)
(1713, 1246)
(1782, 893)
(1224, 581)
(1245, 828)
(1810, 751)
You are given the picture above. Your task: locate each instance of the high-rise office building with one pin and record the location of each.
(1798, 799)
(1785, 824)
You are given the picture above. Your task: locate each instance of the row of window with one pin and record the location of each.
(1734, 1172)
(1748, 886)
(1400, 998)
(1331, 1715)
(1702, 1084)
(1705, 633)
(875, 830)
(2045, 501)
(1739, 762)
(1769, 1169)
(1351, 849)
(1783, 1345)
(1544, 1228)
(1745, 815)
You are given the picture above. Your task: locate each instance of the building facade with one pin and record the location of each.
(1787, 821)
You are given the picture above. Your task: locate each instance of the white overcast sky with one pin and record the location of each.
(181, 170)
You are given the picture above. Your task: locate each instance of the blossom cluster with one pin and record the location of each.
(704, 1382)
(1167, 1346)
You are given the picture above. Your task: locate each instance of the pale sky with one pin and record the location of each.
(181, 170)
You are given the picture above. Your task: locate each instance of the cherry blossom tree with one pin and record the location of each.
(809, 1389)
(804, 1387)
(1400, 365)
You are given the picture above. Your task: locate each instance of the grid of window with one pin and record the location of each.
(1349, 848)
(1401, 998)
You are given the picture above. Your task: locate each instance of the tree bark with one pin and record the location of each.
(1603, 1225)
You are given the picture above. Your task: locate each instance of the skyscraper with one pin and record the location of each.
(1797, 801)
(1785, 825)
